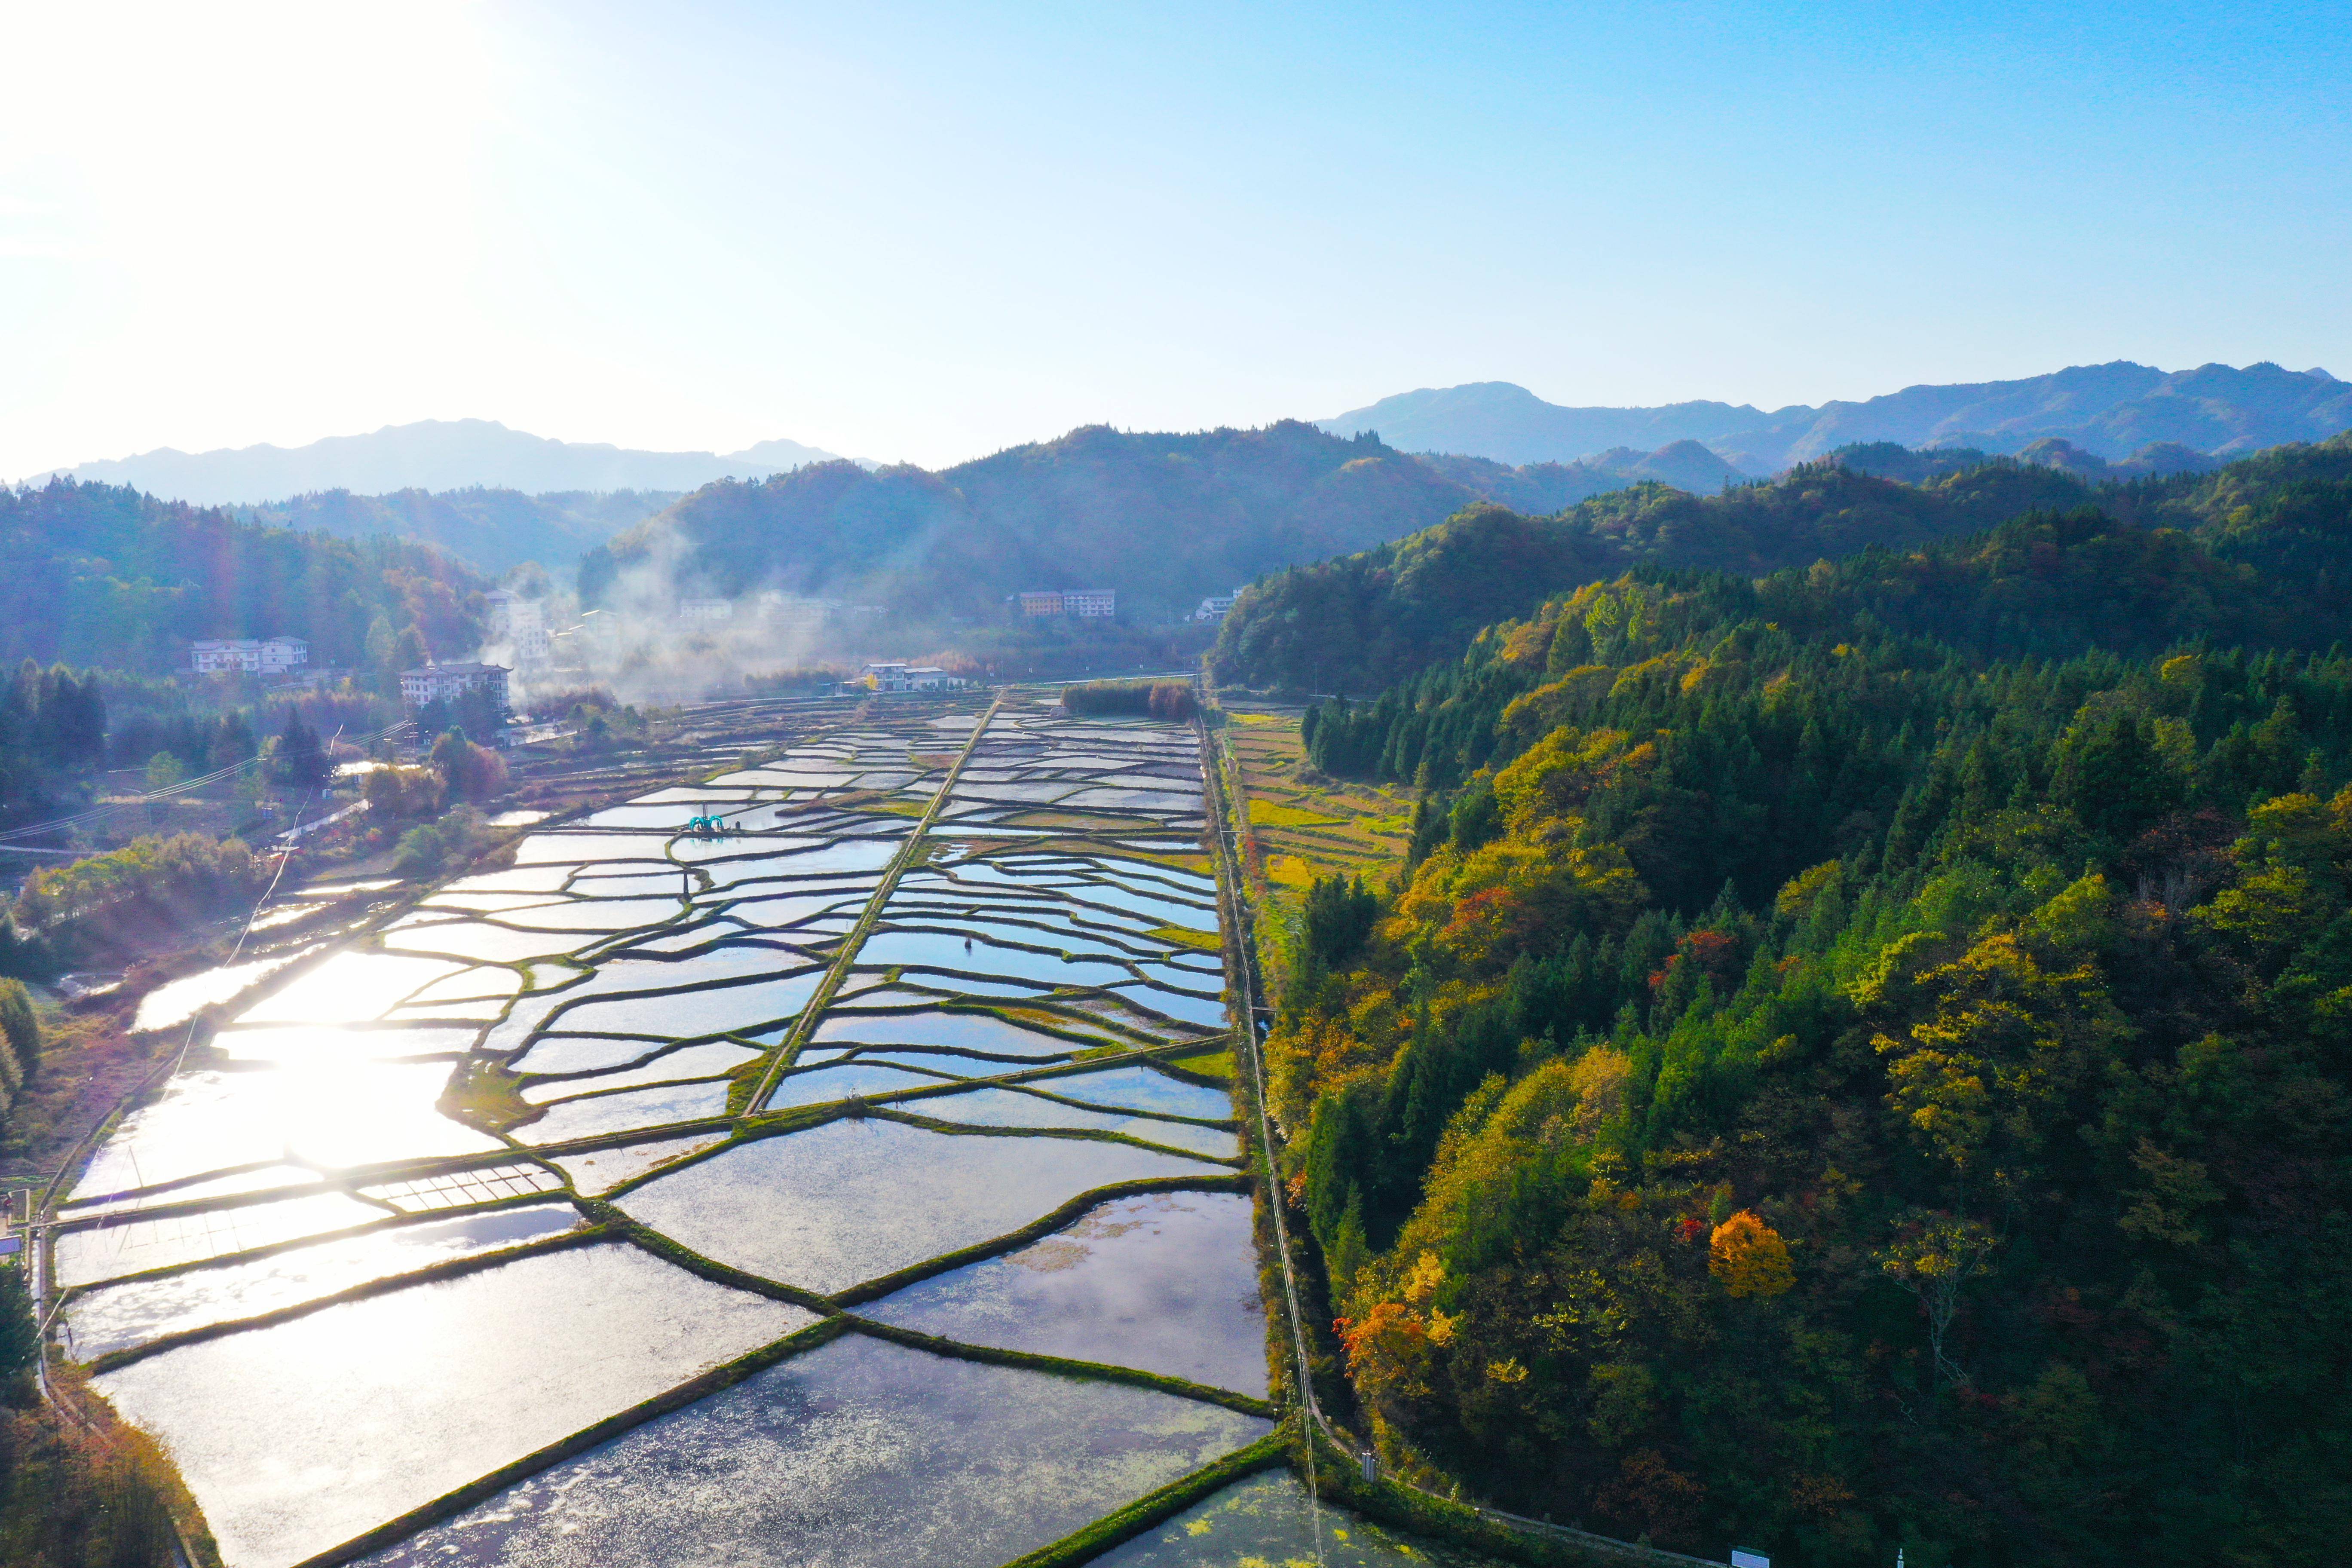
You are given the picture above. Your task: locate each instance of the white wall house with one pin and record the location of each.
(252, 656)
(706, 612)
(448, 683)
(1216, 607)
(893, 675)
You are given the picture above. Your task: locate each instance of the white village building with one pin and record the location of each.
(519, 623)
(448, 683)
(1216, 607)
(252, 656)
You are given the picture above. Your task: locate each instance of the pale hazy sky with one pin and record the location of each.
(928, 231)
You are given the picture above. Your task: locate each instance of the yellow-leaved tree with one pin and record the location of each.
(1749, 1257)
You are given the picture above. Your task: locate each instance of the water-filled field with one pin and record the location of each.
(820, 1189)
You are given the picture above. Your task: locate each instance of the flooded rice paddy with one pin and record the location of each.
(669, 1197)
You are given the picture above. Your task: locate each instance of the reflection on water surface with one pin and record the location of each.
(645, 970)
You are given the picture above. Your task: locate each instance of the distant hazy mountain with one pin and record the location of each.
(1537, 488)
(433, 454)
(1893, 461)
(2108, 411)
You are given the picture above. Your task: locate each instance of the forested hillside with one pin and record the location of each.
(1166, 520)
(1162, 519)
(1358, 622)
(492, 530)
(103, 576)
(1862, 1059)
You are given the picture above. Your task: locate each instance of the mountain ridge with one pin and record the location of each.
(2111, 411)
(428, 454)
(1166, 518)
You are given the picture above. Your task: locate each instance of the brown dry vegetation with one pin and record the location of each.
(101, 1495)
(89, 1061)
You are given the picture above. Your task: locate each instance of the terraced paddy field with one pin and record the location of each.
(856, 1183)
(1303, 825)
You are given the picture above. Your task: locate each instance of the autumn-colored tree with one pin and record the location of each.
(1749, 1257)
(472, 772)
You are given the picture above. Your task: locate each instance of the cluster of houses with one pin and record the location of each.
(290, 658)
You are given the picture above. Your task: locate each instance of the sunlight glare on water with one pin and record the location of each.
(356, 1413)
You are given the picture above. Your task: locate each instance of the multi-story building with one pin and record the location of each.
(520, 625)
(448, 683)
(706, 612)
(252, 656)
(1085, 603)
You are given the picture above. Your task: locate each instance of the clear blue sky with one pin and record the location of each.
(928, 231)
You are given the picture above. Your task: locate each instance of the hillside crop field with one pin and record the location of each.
(1313, 826)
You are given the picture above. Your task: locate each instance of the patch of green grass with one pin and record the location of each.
(1185, 936)
(485, 1095)
(1273, 813)
(1208, 1064)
